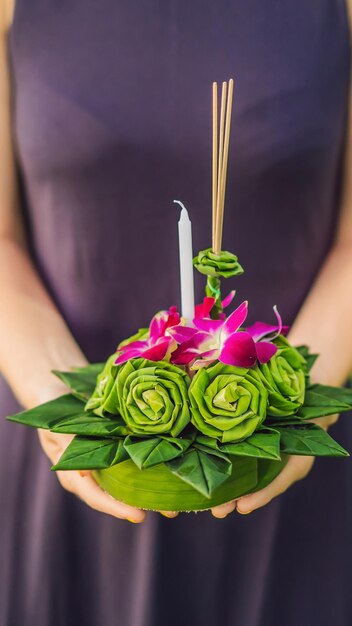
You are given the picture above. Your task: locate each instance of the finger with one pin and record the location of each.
(90, 492)
(169, 514)
(297, 467)
(223, 510)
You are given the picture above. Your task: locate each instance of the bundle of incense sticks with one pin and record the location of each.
(221, 141)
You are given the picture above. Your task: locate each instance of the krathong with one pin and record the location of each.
(192, 412)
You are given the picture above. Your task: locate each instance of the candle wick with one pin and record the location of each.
(181, 204)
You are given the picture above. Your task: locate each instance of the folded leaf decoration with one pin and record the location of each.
(217, 428)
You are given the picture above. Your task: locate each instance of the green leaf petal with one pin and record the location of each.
(82, 380)
(90, 424)
(91, 453)
(263, 444)
(205, 472)
(152, 451)
(309, 440)
(142, 333)
(309, 358)
(50, 413)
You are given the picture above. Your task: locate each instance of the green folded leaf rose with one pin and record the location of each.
(214, 266)
(285, 378)
(151, 397)
(227, 402)
(224, 264)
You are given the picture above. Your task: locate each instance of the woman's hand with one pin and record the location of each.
(82, 484)
(296, 468)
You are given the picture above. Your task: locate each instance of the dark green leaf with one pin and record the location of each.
(82, 380)
(91, 453)
(205, 472)
(146, 452)
(263, 444)
(211, 450)
(291, 420)
(90, 424)
(342, 395)
(309, 440)
(321, 400)
(50, 413)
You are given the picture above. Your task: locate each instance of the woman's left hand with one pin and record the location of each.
(296, 468)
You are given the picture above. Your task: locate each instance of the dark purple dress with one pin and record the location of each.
(112, 121)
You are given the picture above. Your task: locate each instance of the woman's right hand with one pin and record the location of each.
(82, 484)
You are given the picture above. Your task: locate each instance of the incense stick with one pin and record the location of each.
(221, 142)
(223, 173)
(221, 148)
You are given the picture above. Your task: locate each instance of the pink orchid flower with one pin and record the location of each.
(263, 336)
(159, 345)
(210, 340)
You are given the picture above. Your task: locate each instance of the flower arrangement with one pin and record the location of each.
(192, 412)
(188, 414)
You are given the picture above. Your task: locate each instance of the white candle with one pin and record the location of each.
(186, 264)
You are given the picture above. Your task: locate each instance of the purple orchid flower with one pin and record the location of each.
(263, 336)
(209, 340)
(159, 345)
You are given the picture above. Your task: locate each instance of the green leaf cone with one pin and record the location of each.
(309, 357)
(310, 440)
(322, 400)
(90, 424)
(149, 451)
(285, 378)
(204, 472)
(224, 264)
(91, 453)
(49, 414)
(264, 443)
(81, 380)
(227, 403)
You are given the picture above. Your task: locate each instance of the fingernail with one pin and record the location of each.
(244, 512)
(168, 516)
(133, 521)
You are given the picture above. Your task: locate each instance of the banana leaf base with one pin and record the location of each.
(156, 488)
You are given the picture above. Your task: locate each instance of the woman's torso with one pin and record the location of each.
(112, 120)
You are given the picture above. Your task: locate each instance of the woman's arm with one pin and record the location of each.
(34, 338)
